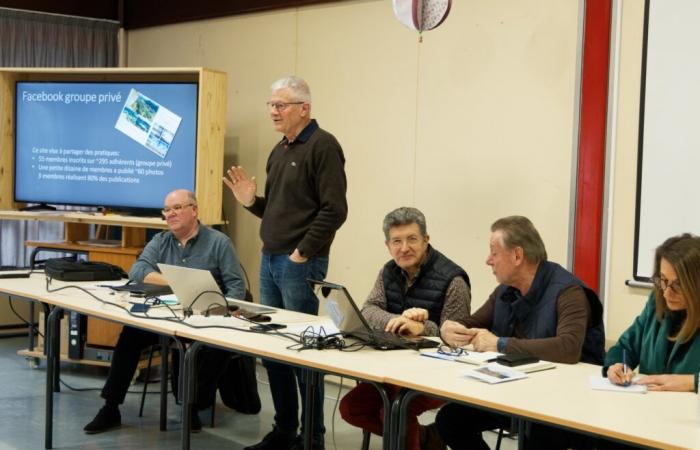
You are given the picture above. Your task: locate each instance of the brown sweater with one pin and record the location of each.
(573, 314)
(304, 202)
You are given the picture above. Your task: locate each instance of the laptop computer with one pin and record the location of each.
(345, 314)
(143, 289)
(197, 290)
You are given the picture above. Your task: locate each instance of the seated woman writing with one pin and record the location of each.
(663, 342)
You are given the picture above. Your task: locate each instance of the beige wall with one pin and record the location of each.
(474, 123)
(624, 303)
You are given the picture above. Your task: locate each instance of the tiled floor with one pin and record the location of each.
(22, 414)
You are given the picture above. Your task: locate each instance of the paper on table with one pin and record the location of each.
(601, 383)
(328, 328)
(477, 358)
(494, 373)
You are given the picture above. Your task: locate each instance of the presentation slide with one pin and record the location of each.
(104, 144)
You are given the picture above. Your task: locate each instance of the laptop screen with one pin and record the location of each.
(341, 308)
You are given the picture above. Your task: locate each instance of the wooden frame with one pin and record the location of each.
(211, 123)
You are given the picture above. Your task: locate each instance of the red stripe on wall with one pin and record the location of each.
(591, 152)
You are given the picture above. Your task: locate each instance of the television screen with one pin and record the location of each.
(116, 145)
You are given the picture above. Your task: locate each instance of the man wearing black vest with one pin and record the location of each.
(539, 308)
(414, 293)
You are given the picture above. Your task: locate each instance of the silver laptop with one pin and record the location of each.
(345, 314)
(195, 289)
(188, 284)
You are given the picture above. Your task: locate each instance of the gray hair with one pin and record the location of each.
(299, 87)
(192, 197)
(518, 231)
(404, 216)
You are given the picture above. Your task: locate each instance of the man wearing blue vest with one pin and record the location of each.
(539, 308)
(416, 291)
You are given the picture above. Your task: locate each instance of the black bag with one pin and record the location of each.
(238, 386)
(68, 269)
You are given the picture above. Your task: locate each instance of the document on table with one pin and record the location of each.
(495, 373)
(601, 383)
(472, 357)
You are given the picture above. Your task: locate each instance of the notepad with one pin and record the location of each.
(600, 383)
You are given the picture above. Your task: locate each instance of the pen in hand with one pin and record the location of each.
(625, 369)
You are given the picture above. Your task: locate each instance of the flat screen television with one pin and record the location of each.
(118, 145)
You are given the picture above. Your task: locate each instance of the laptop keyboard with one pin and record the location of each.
(389, 341)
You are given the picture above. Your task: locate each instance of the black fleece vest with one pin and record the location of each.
(536, 312)
(427, 291)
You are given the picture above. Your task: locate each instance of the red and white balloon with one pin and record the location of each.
(422, 15)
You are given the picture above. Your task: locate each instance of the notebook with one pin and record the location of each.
(345, 314)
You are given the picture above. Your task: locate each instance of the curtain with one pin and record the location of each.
(29, 39)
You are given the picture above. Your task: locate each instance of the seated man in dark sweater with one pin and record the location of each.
(539, 308)
(186, 243)
(414, 293)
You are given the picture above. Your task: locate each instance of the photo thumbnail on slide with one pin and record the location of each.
(148, 123)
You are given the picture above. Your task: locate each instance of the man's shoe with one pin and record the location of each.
(317, 443)
(275, 440)
(430, 438)
(106, 419)
(195, 423)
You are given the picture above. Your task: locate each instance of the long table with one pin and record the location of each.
(268, 346)
(560, 397)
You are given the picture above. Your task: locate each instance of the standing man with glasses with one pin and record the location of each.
(186, 243)
(302, 208)
(416, 291)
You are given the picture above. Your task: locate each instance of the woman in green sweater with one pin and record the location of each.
(663, 342)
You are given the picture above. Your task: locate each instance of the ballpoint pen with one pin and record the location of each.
(625, 368)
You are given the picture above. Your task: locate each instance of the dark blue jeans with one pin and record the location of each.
(283, 285)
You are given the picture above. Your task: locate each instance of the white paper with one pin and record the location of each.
(601, 383)
(495, 373)
(477, 358)
(328, 328)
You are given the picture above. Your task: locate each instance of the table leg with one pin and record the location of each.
(164, 353)
(51, 343)
(47, 311)
(181, 367)
(522, 428)
(189, 374)
(402, 402)
(312, 380)
(31, 327)
(388, 421)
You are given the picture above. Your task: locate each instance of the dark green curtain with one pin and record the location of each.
(29, 39)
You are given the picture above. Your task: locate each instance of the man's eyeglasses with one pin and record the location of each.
(663, 283)
(451, 351)
(175, 208)
(281, 106)
(412, 241)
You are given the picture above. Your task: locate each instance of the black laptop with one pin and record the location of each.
(143, 289)
(345, 314)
